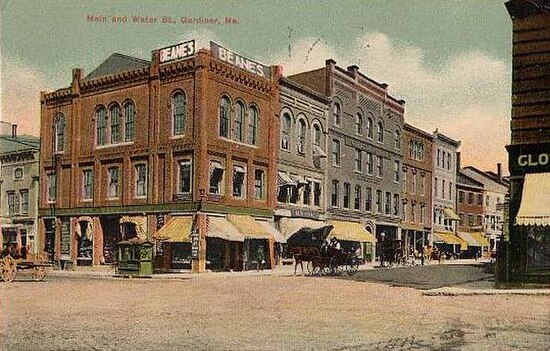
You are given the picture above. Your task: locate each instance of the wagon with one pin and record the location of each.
(393, 253)
(9, 266)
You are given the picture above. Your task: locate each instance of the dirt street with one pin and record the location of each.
(261, 313)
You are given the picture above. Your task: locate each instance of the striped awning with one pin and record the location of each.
(535, 200)
(450, 238)
(273, 231)
(249, 227)
(290, 226)
(177, 229)
(350, 231)
(220, 227)
(284, 179)
(474, 239)
(450, 214)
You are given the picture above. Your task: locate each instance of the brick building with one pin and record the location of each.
(156, 150)
(417, 184)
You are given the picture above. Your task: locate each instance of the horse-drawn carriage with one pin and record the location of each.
(394, 253)
(310, 246)
(10, 263)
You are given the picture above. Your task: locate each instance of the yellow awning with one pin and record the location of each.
(350, 231)
(273, 231)
(177, 229)
(474, 238)
(450, 238)
(450, 214)
(250, 228)
(290, 226)
(535, 200)
(220, 227)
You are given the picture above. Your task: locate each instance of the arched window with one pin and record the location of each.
(129, 113)
(359, 124)
(301, 136)
(380, 132)
(59, 142)
(239, 121)
(316, 135)
(224, 117)
(101, 125)
(369, 127)
(285, 132)
(336, 114)
(114, 115)
(397, 139)
(253, 119)
(178, 113)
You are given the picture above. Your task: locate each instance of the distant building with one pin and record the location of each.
(19, 155)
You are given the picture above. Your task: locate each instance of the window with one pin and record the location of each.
(101, 126)
(397, 139)
(479, 220)
(335, 152)
(141, 180)
(470, 198)
(380, 133)
(396, 169)
(259, 184)
(336, 114)
(461, 216)
(413, 212)
(443, 159)
(239, 181)
(11, 203)
(253, 119)
(18, 173)
(387, 204)
(178, 113)
(442, 188)
(369, 163)
(413, 186)
(335, 191)
(347, 194)
(224, 117)
(24, 194)
(369, 128)
(460, 197)
(285, 132)
(357, 202)
(216, 178)
(359, 124)
(470, 220)
(379, 166)
(379, 201)
(479, 199)
(113, 182)
(52, 187)
(316, 135)
(87, 184)
(185, 178)
(405, 214)
(438, 157)
(59, 126)
(435, 186)
(368, 200)
(316, 194)
(306, 194)
(450, 190)
(487, 202)
(114, 116)
(358, 161)
(239, 122)
(396, 204)
(422, 184)
(422, 213)
(449, 161)
(301, 136)
(405, 190)
(129, 114)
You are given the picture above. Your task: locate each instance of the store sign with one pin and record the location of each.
(177, 52)
(195, 242)
(530, 158)
(237, 60)
(296, 212)
(160, 220)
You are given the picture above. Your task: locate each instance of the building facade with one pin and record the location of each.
(526, 257)
(181, 150)
(365, 150)
(19, 157)
(417, 184)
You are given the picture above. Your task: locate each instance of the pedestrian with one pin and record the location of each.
(422, 255)
(260, 258)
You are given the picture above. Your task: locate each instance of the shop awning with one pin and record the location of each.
(220, 227)
(450, 214)
(474, 239)
(290, 226)
(284, 179)
(451, 239)
(350, 231)
(298, 179)
(273, 231)
(177, 229)
(250, 228)
(535, 200)
(140, 222)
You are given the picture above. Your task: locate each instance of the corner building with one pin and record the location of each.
(155, 150)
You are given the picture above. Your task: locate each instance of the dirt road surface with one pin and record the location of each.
(261, 313)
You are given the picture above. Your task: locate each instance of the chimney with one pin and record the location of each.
(499, 172)
(353, 70)
(14, 131)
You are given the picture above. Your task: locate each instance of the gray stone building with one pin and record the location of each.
(19, 191)
(364, 171)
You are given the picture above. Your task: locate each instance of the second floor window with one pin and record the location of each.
(285, 132)
(316, 193)
(380, 166)
(216, 178)
(253, 120)
(387, 207)
(141, 180)
(259, 184)
(52, 187)
(347, 194)
(335, 191)
(239, 183)
(114, 116)
(24, 194)
(368, 200)
(239, 122)
(178, 113)
(101, 126)
(396, 204)
(113, 182)
(87, 184)
(379, 201)
(12, 208)
(301, 136)
(357, 202)
(369, 163)
(336, 152)
(224, 117)
(396, 171)
(184, 177)
(59, 133)
(358, 161)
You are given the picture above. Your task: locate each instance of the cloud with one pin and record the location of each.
(467, 96)
(21, 86)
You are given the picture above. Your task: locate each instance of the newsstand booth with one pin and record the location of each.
(134, 258)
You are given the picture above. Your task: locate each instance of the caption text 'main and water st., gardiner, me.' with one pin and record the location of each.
(160, 19)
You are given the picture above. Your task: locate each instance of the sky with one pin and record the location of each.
(449, 60)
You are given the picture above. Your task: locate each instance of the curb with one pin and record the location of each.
(447, 291)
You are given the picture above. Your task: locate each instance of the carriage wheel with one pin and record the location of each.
(309, 267)
(353, 266)
(38, 273)
(334, 268)
(9, 269)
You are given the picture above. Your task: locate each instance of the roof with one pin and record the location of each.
(440, 136)
(463, 179)
(117, 63)
(20, 143)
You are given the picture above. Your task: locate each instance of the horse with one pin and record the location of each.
(303, 254)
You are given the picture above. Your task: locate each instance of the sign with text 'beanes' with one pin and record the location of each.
(177, 51)
(235, 59)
